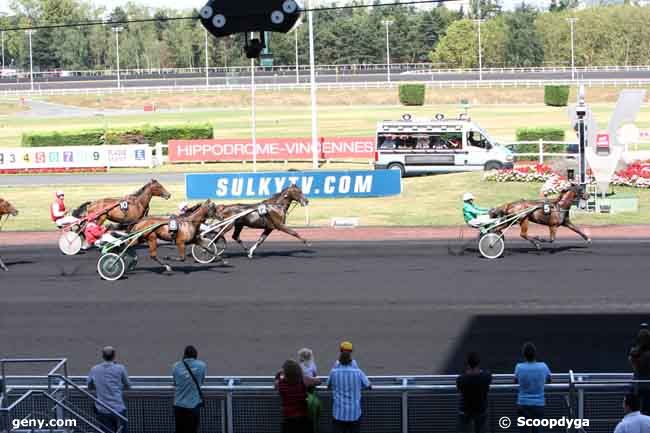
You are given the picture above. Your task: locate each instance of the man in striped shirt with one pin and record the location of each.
(346, 382)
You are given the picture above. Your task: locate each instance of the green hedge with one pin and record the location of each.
(411, 94)
(139, 134)
(556, 96)
(536, 134)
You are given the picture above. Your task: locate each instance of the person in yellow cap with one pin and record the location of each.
(346, 381)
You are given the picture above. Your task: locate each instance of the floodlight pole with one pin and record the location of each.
(207, 79)
(31, 62)
(480, 51)
(117, 31)
(572, 22)
(297, 70)
(387, 23)
(312, 79)
(2, 37)
(253, 120)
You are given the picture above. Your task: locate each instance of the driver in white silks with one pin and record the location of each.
(475, 216)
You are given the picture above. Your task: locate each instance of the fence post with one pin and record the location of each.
(160, 159)
(541, 151)
(230, 426)
(405, 407)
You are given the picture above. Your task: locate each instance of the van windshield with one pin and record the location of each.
(451, 140)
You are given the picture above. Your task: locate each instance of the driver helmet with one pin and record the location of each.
(59, 193)
(182, 207)
(468, 196)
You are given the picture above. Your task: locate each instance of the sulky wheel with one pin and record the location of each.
(206, 252)
(70, 243)
(111, 267)
(491, 245)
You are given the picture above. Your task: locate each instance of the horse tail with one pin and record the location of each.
(81, 211)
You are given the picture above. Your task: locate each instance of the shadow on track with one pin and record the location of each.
(300, 254)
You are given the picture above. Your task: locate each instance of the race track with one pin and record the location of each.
(409, 307)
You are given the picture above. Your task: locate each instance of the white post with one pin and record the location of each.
(480, 50)
(297, 70)
(573, 64)
(387, 23)
(2, 37)
(207, 79)
(253, 130)
(31, 63)
(117, 31)
(541, 151)
(312, 78)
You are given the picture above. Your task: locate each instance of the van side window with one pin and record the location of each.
(475, 139)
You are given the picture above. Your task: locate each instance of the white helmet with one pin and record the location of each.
(59, 193)
(182, 206)
(468, 196)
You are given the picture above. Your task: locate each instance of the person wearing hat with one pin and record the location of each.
(58, 212)
(474, 215)
(346, 381)
(109, 379)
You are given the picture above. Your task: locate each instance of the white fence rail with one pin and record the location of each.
(454, 84)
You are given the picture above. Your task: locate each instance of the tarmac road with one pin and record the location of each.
(408, 307)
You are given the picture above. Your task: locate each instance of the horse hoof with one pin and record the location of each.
(168, 268)
(538, 246)
(224, 262)
(589, 241)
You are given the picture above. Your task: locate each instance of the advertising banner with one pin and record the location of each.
(269, 149)
(322, 184)
(67, 157)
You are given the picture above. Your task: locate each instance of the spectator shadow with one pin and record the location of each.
(581, 342)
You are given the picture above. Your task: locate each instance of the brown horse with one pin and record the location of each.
(269, 215)
(6, 210)
(558, 214)
(186, 233)
(137, 205)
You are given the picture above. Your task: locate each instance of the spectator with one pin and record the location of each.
(633, 421)
(473, 385)
(109, 379)
(346, 381)
(531, 377)
(292, 386)
(188, 374)
(306, 360)
(309, 370)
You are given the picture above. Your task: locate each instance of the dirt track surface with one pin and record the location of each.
(408, 306)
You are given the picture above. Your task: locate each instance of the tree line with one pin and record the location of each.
(613, 35)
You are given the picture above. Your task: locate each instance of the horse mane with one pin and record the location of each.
(190, 210)
(142, 188)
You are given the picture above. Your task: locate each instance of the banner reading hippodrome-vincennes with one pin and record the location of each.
(325, 184)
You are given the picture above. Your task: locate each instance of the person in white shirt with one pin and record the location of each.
(58, 212)
(633, 421)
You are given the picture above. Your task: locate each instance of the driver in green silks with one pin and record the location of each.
(474, 215)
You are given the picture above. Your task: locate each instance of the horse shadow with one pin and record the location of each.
(303, 253)
(511, 251)
(185, 269)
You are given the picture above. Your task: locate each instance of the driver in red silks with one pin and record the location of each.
(96, 234)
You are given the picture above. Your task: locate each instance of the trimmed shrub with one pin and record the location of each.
(536, 134)
(411, 94)
(134, 135)
(556, 96)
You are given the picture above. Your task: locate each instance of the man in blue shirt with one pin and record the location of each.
(188, 374)
(531, 377)
(475, 215)
(347, 381)
(109, 379)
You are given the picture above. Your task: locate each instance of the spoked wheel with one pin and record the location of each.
(70, 243)
(491, 245)
(111, 267)
(205, 252)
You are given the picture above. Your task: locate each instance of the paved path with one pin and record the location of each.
(409, 307)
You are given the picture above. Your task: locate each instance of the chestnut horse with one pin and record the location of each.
(6, 210)
(188, 228)
(557, 216)
(137, 205)
(269, 215)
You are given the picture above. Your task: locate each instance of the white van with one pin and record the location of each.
(417, 146)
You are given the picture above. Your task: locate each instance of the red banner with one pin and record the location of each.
(269, 149)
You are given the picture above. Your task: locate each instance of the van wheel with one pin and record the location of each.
(493, 165)
(397, 166)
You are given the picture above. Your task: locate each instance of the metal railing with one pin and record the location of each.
(401, 403)
(452, 84)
